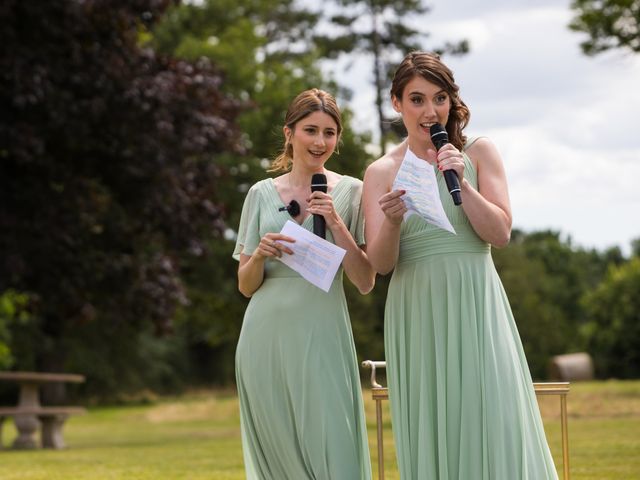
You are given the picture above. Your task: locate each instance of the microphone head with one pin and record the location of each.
(319, 182)
(439, 135)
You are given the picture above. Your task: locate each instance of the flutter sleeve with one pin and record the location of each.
(249, 228)
(356, 227)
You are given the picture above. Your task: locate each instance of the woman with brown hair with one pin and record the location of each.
(300, 399)
(462, 399)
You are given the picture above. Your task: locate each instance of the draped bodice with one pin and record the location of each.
(419, 239)
(263, 212)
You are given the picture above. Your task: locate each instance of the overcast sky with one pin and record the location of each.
(565, 124)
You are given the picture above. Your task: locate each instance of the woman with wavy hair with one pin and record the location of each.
(462, 399)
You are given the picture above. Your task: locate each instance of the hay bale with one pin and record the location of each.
(571, 367)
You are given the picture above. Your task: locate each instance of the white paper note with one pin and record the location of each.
(418, 178)
(315, 259)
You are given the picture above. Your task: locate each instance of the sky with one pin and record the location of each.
(565, 124)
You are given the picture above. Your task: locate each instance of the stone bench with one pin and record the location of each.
(50, 420)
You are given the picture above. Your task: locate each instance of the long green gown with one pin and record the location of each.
(462, 400)
(301, 407)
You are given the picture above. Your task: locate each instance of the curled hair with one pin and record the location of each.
(307, 102)
(430, 67)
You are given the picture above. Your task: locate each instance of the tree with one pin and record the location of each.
(533, 291)
(380, 29)
(545, 278)
(614, 327)
(635, 247)
(108, 178)
(609, 24)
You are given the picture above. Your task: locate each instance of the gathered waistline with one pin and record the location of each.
(423, 245)
(281, 273)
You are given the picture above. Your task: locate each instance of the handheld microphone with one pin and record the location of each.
(440, 138)
(319, 184)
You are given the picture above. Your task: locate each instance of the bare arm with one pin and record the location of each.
(251, 269)
(356, 264)
(488, 208)
(383, 213)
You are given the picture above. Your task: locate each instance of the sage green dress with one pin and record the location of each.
(462, 400)
(301, 407)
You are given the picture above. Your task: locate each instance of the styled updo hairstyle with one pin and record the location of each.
(307, 102)
(430, 67)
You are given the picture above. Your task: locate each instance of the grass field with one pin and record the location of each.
(197, 437)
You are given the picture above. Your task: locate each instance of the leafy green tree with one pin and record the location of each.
(545, 277)
(108, 180)
(614, 327)
(13, 309)
(609, 24)
(380, 29)
(541, 321)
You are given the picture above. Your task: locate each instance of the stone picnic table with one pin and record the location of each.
(29, 414)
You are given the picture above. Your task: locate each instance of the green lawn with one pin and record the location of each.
(197, 437)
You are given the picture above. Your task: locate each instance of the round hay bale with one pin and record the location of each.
(571, 367)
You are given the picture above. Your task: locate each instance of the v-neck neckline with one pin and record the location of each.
(304, 220)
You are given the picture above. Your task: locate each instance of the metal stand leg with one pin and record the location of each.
(380, 439)
(565, 436)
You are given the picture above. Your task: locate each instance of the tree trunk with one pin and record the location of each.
(377, 78)
(53, 361)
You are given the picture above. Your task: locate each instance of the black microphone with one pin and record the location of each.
(319, 184)
(440, 138)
